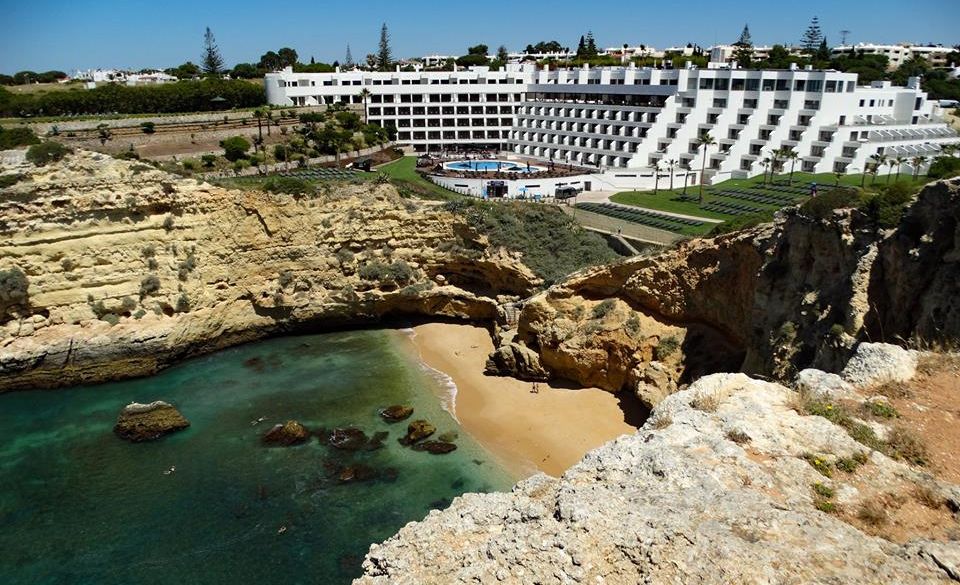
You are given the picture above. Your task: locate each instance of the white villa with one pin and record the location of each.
(622, 123)
(936, 55)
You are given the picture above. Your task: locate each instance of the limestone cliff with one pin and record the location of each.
(726, 483)
(112, 269)
(772, 300)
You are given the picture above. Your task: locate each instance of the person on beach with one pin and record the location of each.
(535, 389)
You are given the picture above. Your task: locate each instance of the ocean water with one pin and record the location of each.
(78, 505)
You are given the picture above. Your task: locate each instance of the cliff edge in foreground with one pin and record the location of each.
(726, 483)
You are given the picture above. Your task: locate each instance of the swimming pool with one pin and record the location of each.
(496, 166)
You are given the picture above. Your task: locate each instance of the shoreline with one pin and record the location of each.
(549, 431)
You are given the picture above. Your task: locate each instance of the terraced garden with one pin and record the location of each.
(648, 218)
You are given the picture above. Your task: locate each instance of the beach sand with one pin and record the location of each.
(548, 431)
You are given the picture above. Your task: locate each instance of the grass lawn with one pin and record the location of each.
(663, 200)
(403, 175)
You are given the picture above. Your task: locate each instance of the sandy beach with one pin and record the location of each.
(547, 431)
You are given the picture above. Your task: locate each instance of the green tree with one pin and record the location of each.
(823, 51)
(705, 141)
(287, 56)
(743, 54)
(269, 61)
(235, 148)
(347, 61)
(364, 97)
(787, 153)
(917, 162)
(212, 61)
(244, 71)
(877, 160)
(812, 37)
(384, 54)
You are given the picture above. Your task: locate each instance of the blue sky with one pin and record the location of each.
(69, 34)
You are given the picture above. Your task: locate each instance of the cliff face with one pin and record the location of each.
(772, 300)
(129, 269)
(722, 485)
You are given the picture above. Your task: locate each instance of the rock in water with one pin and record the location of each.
(148, 422)
(287, 434)
(349, 439)
(435, 447)
(395, 413)
(417, 431)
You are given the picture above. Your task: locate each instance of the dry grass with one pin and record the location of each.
(892, 390)
(737, 436)
(935, 362)
(928, 496)
(660, 421)
(903, 444)
(872, 513)
(706, 402)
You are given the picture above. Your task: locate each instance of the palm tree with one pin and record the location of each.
(258, 114)
(917, 162)
(789, 154)
(365, 95)
(878, 160)
(839, 175)
(671, 164)
(269, 121)
(900, 160)
(765, 163)
(686, 175)
(891, 162)
(656, 177)
(706, 141)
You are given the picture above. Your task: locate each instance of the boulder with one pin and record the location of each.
(513, 359)
(348, 439)
(823, 385)
(435, 447)
(652, 382)
(417, 431)
(396, 413)
(878, 363)
(287, 434)
(148, 422)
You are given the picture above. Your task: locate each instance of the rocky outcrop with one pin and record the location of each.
(724, 484)
(148, 422)
(129, 269)
(773, 300)
(877, 363)
(417, 431)
(286, 434)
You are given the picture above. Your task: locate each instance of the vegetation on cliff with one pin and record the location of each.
(552, 243)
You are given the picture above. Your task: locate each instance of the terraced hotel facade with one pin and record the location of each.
(623, 122)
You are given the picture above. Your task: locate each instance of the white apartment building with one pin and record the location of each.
(725, 53)
(623, 122)
(897, 54)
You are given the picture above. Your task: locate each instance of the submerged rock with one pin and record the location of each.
(348, 439)
(396, 413)
(148, 422)
(357, 472)
(377, 441)
(435, 447)
(287, 434)
(417, 431)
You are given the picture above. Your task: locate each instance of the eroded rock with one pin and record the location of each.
(148, 422)
(417, 431)
(286, 434)
(396, 412)
(877, 363)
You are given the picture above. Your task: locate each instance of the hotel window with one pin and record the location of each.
(783, 85)
(753, 84)
(722, 84)
(719, 102)
(706, 83)
(768, 84)
(831, 87)
(814, 85)
(737, 85)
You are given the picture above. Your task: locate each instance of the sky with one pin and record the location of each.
(67, 35)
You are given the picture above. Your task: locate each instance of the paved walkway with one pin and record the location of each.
(611, 225)
(604, 197)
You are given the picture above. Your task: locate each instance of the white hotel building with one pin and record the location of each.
(622, 122)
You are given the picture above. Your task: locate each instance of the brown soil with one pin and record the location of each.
(927, 408)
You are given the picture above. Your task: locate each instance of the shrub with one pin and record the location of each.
(208, 160)
(15, 137)
(824, 491)
(820, 464)
(706, 401)
(47, 152)
(285, 279)
(190, 164)
(13, 289)
(67, 264)
(235, 148)
(944, 167)
(398, 272)
(872, 513)
(345, 256)
(149, 285)
(291, 185)
(603, 309)
(183, 303)
(148, 127)
(887, 207)
(823, 205)
(9, 180)
(880, 409)
(902, 444)
(168, 223)
(666, 348)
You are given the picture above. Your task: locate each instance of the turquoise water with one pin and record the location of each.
(78, 505)
(491, 165)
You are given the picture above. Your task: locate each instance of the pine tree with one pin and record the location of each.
(502, 55)
(581, 48)
(384, 55)
(812, 37)
(348, 60)
(743, 54)
(591, 45)
(212, 61)
(823, 51)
